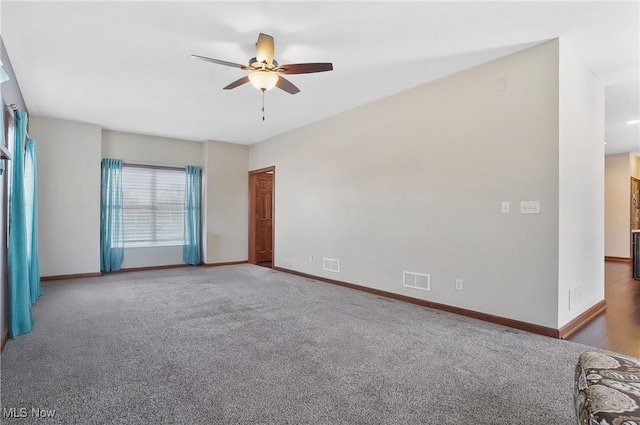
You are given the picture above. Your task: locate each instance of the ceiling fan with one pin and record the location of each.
(265, 72)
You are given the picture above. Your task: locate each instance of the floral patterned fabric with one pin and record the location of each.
(607, 389)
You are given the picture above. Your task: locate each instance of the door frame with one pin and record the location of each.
(632, 211)
(633, 206)
(253, 212)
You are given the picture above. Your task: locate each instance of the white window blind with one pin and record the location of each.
(153, 205)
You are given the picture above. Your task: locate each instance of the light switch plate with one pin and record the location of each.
(530, 207)
(506, 207)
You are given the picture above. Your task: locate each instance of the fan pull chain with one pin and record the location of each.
(263, 104)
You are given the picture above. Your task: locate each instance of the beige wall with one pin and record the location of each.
(634, 165)
(151, 149)
(619, 169)
(581, 182)
(415, 181)
(226, 199)
(68, 195)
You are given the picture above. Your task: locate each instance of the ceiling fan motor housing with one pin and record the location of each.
(255, 64)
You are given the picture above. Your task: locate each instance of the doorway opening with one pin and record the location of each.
(261, 216)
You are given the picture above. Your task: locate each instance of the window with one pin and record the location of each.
(153, 205)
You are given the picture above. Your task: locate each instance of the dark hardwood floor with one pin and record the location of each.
(618, 328)
(268, 264)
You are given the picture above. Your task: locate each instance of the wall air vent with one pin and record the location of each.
(331, 265)
(416, 281)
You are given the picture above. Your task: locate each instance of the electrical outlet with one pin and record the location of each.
(459, 284)
(311, 258)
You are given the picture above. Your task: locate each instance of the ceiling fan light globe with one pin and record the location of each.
(263, 80)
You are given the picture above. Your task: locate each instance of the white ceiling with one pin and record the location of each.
(126, 65)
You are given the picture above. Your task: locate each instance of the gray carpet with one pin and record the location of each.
(246, 344)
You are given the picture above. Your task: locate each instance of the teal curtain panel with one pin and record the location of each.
(19, 296)
(31, 207)
(111, 228)
(191, 251)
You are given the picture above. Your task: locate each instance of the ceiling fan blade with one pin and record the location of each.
(305, 68)
(265, 48)
(218, 61)
(287, 85)
(237, 83)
